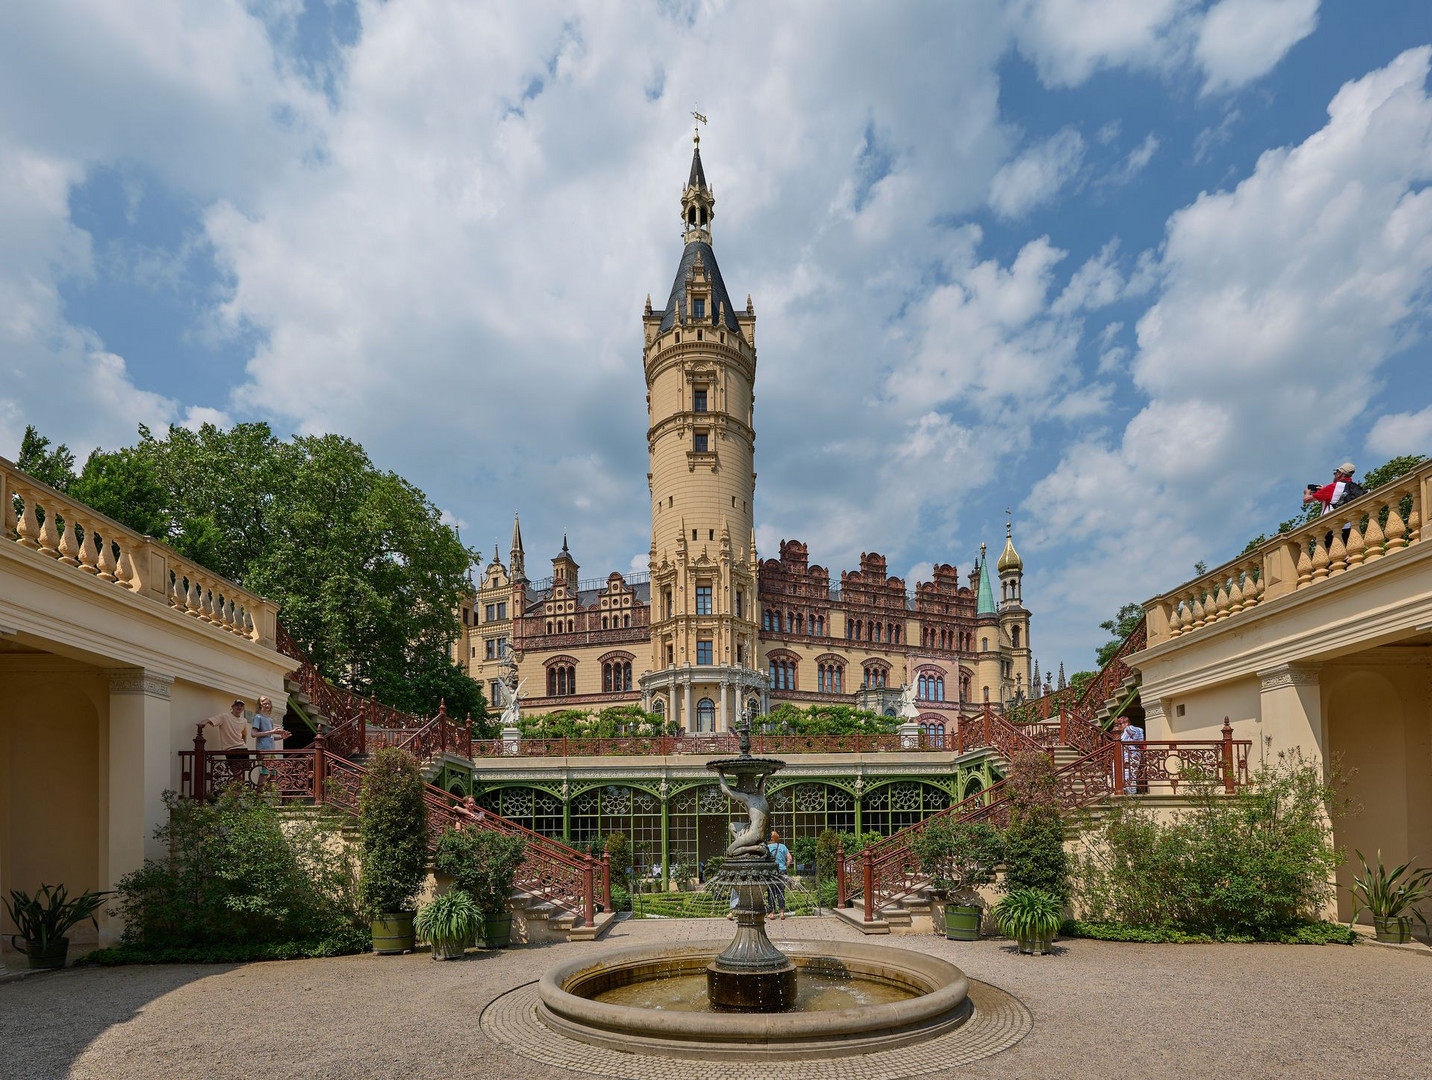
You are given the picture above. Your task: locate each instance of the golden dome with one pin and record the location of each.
(1009, 558)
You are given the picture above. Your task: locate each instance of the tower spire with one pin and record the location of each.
(517, 555)
(698, 203)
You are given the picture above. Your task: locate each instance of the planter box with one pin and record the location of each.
(393, 933)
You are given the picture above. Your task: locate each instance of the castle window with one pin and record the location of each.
(703, 652)
(698, 309)
(895, 632)
(658, 706)
(604, 622)
(489, 610)
(626, 675)
(984, 644)
(710, 534)
(668, 604)
(703, 599)
(699, 442)
(502, 611)
(693, 534)
(466, 614)
(1014, 636)
(494, 693)
(706, 715)
(626, 620)
(698, 400)
(738, 604)
(490, 649)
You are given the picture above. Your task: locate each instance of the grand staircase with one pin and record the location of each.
(556, 884)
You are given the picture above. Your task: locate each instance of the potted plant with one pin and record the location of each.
(483, 865)
(960, 856)
(44, 920)
(1031, 917)
(449, 922)
(392, 823)
(1392, 897)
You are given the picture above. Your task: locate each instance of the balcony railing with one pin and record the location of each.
(710, 744)
(1356, 535)
(74, 535)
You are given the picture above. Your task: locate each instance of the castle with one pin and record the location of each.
(712, 628)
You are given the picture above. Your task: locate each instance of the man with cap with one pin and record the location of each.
(1341, 490)
(231, 731)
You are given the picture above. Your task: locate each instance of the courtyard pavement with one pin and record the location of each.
(1100, 1009)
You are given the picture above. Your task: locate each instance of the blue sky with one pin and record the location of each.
(1136, 269)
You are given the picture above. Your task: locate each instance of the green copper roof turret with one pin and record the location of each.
(985, 606)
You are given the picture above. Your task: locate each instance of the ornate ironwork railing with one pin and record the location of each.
(553, 871)
(884, 872)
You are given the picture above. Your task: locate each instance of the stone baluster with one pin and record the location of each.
(1235, 593)
(69, 545)
(7, 506)
(1320, 561)
(27, 529)
(1219, 603)
(1414, 516)
(89, 549)
(50, 535)
(1396, 531)
(1305, 564)
(1170, 614)
(1373, 538)
(105, 565)
(1337, 554)
(1354, 546)
(1199, 615)
(1185, 621)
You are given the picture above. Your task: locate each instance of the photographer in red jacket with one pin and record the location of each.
(1342, 489)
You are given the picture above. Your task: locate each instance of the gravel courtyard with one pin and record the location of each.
(1100, 1010)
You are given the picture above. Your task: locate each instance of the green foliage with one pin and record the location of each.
(855, 843)
(366, 574)
(392, 820)
(54, 467)
(1390, 894)
(1079, 682)
(1029, 913)
(618, 850)
(449, 919)
(803, 848)
(1034, 840)
(1391, 470)
(238, 876)
(959, 855)
(817, 720)
(621, 897)
(344, 941)
(829, 893)
(1247, 865)
(612, 722)
(124, 485)
(826, 845)
(51, 913)
(1303, 933)
(1124, 623)
(482, 864)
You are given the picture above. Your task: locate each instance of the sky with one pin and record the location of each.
(1136, 270)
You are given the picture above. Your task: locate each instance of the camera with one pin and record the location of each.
(1314, 487)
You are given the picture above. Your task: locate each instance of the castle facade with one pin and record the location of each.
(711, 628)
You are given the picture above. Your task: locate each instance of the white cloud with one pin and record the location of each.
(1402, 433)
(1096, 284)
(1278, 302)
(1068, 40)
(1242, 40)
(1035, 177)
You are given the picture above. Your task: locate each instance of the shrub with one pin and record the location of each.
(237, 877)
(1250, 865)
(1028, 913)
(343, 942)
(392, 820)
(1308, 933)
(449, 919)
(618, 850)
(621, 898)
(482, 864)
(826, 845)
(827, 893)
(959, 855)
(855, 843)
(1034, 840)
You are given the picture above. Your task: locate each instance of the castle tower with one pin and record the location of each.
(989, 661)
(699, 358)
(1013, 615)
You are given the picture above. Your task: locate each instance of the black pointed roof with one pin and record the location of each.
(698, 174)
(719, 295)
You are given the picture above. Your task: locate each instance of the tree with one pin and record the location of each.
(1034, 840)
(54, 467)
(1121, 626)
(125, 486)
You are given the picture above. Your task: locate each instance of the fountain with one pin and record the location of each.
(814, 999)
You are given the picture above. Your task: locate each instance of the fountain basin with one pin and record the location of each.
(939, 1003)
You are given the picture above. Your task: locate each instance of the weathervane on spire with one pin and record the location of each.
(696, 130)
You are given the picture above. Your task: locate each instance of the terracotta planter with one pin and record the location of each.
(1396, 930)
(393, 933)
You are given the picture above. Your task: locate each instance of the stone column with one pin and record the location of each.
(1290, 711)
(141, 753)
(724, 721)
(671, 713)
(1156, 725)
(689, 719)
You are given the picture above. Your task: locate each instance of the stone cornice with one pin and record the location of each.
(131, 681)
(1288, 675)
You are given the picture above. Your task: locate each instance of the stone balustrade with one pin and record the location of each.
(38, 517)
(1355, 535)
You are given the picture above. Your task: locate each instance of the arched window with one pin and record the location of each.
(706, 715)
(606, 677)
(626, 675)
(658, 706)
(1014, 636)
(551, 682)
(939, 688)
(626, 620)
(924, 686)
(896, 629)
(984, 644)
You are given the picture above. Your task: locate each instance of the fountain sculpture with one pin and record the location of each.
(751, 974)
(815, 999)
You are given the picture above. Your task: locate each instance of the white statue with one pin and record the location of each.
(512, 711)
(907, 701)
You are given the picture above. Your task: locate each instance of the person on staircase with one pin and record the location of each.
(1132, 758)
(231, 732)
(264, 735)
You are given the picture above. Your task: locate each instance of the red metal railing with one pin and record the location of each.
(888, 870)
(557, 873)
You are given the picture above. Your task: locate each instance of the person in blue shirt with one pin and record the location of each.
(264, 734)
(783, 858)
